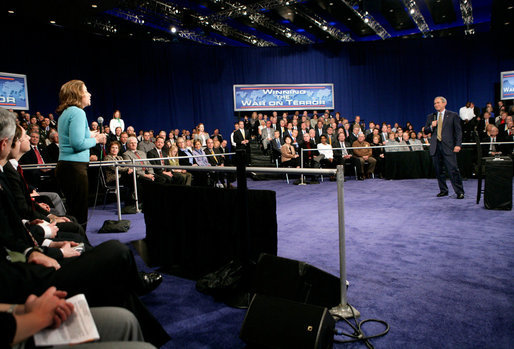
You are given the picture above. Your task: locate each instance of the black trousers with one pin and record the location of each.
(441, 159)
(73, 181)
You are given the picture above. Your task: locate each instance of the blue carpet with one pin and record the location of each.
(438, 270)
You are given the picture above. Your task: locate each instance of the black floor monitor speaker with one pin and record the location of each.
(277, 323)
(296, 281)
(498, 184)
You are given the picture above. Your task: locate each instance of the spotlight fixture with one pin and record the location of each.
(11, 12)
(94, 5)
(52, 22)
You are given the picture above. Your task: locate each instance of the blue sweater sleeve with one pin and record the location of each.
(80, 139)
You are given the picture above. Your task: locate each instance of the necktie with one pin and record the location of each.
(345, 152)
(212, 153)
(38, 156)
(278, 143)
(410, 148)
(243, 133)
(20, 171)
(439, 126)
(330, 140)
(160, 155)
(493, 146)
(139, 157)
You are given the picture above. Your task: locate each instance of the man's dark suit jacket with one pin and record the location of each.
(53, 152)
(184, 161)
(13, 234)
(274, 147)
(152, 153)
(451, 134)
(338, 153)
(219, 159)
(34, 176)
(314, 150)
(238, 138)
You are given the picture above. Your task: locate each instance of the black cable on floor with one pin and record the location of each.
(358, 334)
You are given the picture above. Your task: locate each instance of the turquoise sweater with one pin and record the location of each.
(74, 136)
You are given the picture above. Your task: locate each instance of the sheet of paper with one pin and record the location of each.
(78, 328)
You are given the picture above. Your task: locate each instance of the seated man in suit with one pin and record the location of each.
(53, 148)
(276, 144)
(310, 154)
(492, 137)
(267, 136)
(143, 173)
(364, 155)
(37, 155)
(157, 152)
(345, 156)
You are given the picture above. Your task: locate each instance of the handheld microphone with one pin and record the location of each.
(101, 123)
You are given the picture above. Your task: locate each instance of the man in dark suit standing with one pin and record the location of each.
(242, 140)
(444, 145)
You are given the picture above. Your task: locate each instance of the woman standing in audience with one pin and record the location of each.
(201, 135)
(75, 142)
(117, 121)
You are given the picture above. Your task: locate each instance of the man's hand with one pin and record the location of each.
(58, 219)
(68, 251)
(50, 307)
(434, 123)
(44, 206)
(93, 158)
(150, 176)
(61, 244)
(456, 149)
(34, 193)
(41, 259)
(130, 171)
(167, 173)
(365, 158)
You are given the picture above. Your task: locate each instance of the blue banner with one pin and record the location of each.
(507, 87)
(283, 97)
(13, 91)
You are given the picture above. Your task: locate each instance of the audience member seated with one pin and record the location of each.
(43, 222)
(364, 155)
(310, 155)
(201, 178)
(52, 149)
(185, 154)
(123, 142)
(173, 154)
(146, 145)
(42, 179)
(415, 143)
(326, 153)
(345, 156)
(158, 152)
(405, 141)
(216, 159)
(143, 173)
(289, 157)
(378, 154)
(123, 172)
(267, 136)
(492, 137)
(392, 145)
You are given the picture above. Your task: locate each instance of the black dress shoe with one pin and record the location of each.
(442, 193)
(460, 196)
(150, 281)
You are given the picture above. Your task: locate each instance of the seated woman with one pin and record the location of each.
(201, 178)
(378, 154)
(289, 156)
(173, 154)
(113, 150)
(392, 144)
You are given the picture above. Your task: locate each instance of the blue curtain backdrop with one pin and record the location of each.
(163, 86)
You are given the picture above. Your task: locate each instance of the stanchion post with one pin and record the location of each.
(301, 165)
(135, 187)
(118, 200)
(343, 310)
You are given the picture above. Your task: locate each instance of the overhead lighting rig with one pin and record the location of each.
(466, 8)
(367, 18)
(416, 15)
(236, 9)
(102, 24)
(323, 24)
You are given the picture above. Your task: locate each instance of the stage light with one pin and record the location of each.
(11, 12)
(52, 22)
(94, 5)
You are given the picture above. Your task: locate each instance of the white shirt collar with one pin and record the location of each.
(14, 163)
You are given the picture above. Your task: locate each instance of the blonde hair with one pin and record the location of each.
(70, 95)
